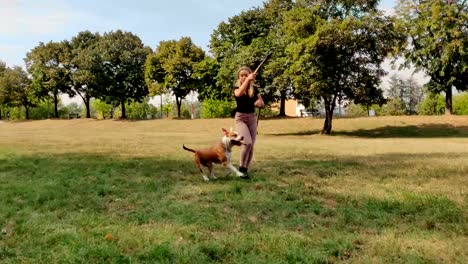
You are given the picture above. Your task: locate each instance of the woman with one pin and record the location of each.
(247, 98)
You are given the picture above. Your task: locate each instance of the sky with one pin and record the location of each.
(26, 23)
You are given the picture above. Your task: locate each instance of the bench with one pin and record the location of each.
(73, 115)
(309, 113)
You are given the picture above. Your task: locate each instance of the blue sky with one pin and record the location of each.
(25, 23)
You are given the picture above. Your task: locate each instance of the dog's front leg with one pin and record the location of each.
(228, 164)
(235, 170)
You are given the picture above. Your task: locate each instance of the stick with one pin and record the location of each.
(256, 70)
(258, 118)
(263, 61)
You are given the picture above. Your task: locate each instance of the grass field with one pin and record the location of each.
(379, 190)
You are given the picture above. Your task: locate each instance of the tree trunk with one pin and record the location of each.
(327, 125)
(86, 100)
(329, 107)
(179, 104)
(448, 100)
(88, 110)
(1, 113)
(27, 112)
(283, 103)
(124, 115)
(161, 105)
(56, 105)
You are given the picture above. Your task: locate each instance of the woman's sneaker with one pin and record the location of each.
(244, 171)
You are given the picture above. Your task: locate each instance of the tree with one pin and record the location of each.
(279, 82)
(239, 31)
(49, 67)
(206, 72)
(17, 84)
(437, 42)
(242, 40)
(432, 104)
(102, 109)
(86, 67)
(173, 68)
(4, 96)
(338, 51)
(245, 40)
(415, 95)
(408, 92)
(123, 57)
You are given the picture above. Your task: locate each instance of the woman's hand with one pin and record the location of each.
(251, 76)
(259, 102)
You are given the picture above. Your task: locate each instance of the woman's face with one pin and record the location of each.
(242, 75)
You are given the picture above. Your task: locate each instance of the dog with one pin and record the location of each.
(218, 153)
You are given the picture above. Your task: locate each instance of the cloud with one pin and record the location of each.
(420, 77)
(388, 11)
(5, 49)
(10, 54)
(18, 18)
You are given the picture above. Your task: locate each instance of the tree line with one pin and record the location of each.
(321, 50)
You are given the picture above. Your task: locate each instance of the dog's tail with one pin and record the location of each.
(191, 150)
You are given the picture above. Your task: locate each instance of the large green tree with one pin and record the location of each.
(4, 96)
(123, 57)
(173, 68)
(206, 71)
(246, 39)
(239, 41)
(49, 66)
(437, 42)
(278, 84)
(338, 50)
(17, 85)
(87, 73)
(407, 92)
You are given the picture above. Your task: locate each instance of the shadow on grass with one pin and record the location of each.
(375, 167)
(71, 182)
(421, 131)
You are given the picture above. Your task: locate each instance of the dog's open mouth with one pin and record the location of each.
(235, 142)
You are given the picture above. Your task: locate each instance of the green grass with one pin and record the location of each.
(125, 192)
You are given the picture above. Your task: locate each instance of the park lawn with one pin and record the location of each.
(378, 190)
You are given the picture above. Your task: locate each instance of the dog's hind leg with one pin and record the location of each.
(203, 174)
(210, 168)
(199, 166)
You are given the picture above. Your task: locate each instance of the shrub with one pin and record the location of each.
(216, 108)
(356, 110)
(432, 104)
(393, 107)
(460, 104)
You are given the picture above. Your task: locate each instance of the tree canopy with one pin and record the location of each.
(123, 57)
(87, 73)
(16, 85)
(337, 52)
(173, 67)
(437, 42)
(49, 65)
(322, 52)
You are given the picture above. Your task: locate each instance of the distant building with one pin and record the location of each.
(294, 109)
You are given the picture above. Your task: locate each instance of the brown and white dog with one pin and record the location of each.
(218, 153)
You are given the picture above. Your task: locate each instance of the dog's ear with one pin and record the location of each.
(225, 131)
